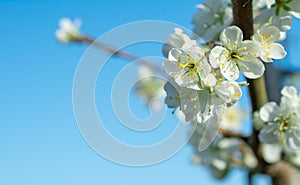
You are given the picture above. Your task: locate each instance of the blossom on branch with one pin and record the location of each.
(266, 38)
(283, 121)
(68, 31)
(212, 18)
(189, 68)
(178, 40)
(236, 55)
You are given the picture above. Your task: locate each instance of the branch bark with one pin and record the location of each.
(121, 54)
(281, 173)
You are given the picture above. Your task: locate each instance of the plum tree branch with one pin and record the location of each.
(121, 54)
(281, 172)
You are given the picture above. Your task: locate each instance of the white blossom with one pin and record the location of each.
(236, 55)
(283, 122)
(290, 100)
(271, 152)
(224, 152)
(193, 103)
(150, 88)
(280, 15)
(226, 92)
(189, 68)
(269, 49)
(178, 40)
(212, 18)
(233, 118)
(68, 31)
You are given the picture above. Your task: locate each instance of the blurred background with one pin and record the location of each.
(39, 138)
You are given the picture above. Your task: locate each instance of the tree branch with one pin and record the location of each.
(121, 54)
(229, 133)
(281, 173)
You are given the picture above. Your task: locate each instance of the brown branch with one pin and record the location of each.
(281, 173)
(228, 133)
(243, 18)
(121, 54)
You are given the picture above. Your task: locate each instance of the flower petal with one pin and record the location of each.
(272, 152)
(277, 51)
(249, 49)
(267, 134)
(289, 91)
(293, 140)
(229, 91)
(232, 36)
(229, 70)
(264, 16)
(174, 54)
(210, 80)
(271, 33)
(171, 67)
(172, 99)
(212, 127)
(269, 111)
(204, 68)
(217, 56)
(252, 69)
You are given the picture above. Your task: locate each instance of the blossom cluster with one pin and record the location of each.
(279, 127)
(282, 122)
(278, 13)
(204, 81)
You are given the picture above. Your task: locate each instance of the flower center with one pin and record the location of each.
(283, 122)
(234, 55)
(191, 66)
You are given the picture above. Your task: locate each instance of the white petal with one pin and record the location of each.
(204, 69)
(270, 32)
(210, 80)
(267, 134)
(264, 16)
(249, 49)
(293, 140)
(217, 56)
(229, 91)
(174, 54)
(175, 40)
(171, 67)
(65, 23)
(264, 58)
(289, 91)
(166, 49)
(277, 51)
(229, 70)
(283, 22)
(203, 96)
(212, 126)
(252, 69)
(172, 99)
(188, 80)
(61, 36)
(231, 36)
(269, 111)
(271, 152)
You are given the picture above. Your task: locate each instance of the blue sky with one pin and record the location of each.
(39, 139)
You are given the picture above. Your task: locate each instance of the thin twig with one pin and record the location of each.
(228, 133)
(124, 55)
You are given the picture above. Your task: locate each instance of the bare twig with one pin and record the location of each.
(121, 54)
